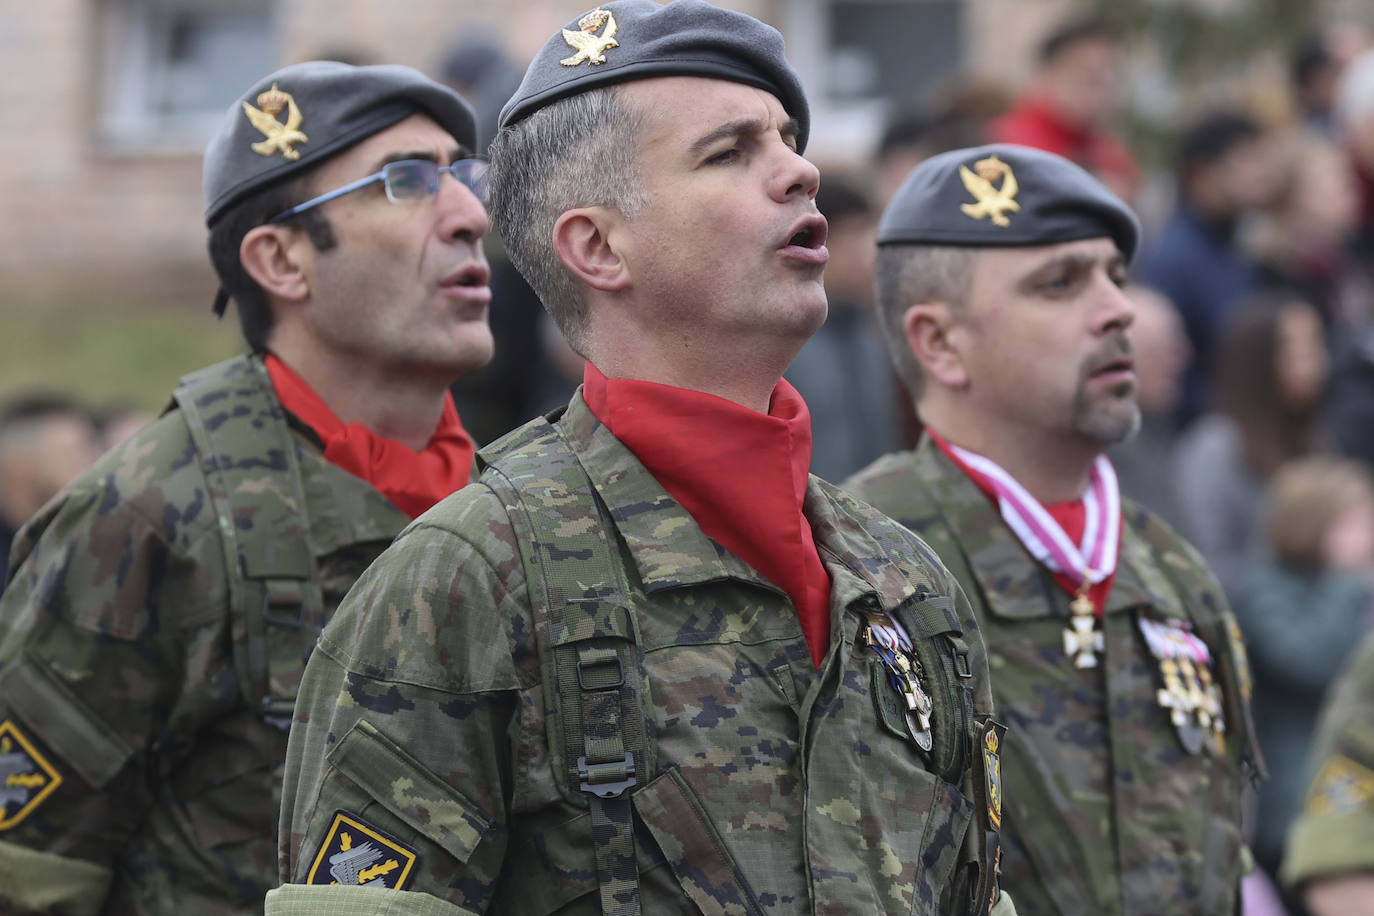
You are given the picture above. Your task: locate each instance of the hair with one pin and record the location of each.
(1249, 390)
(907, 275)
(39, 405)
(1309, 58)
(226, 237)
(1305, 498)
(1210, 139)
(1075, 31)
(579, 151)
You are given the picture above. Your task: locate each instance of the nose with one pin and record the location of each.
(796, 175)
(1115, 312)
(462, 217)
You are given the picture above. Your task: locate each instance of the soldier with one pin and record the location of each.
(161, 609)
(1117, 663)
(646, 664)
(1330, 855)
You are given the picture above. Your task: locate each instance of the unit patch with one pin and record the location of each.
(1342, 787)
(26, 778)
(992, 774)
(355, 852)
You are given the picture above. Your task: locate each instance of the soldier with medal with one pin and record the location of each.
(1116, 662)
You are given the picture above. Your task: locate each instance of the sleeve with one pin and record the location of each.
(404, 753)
(87, 681)
(1334, 834)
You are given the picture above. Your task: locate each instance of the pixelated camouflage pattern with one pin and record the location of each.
(1334, 834)
(1105, 812)
(423, 711)
(116, 658)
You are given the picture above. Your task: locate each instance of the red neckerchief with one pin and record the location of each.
(739, 473)
(1068, 514)
(412, 480)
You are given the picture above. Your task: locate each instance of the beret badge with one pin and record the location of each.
(279, 137)
(589, 46)
(993, 203)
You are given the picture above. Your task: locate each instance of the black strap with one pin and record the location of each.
(589, 650)
(276, 604)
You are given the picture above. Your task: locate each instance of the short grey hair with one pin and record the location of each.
(580, 151)
(907, 275)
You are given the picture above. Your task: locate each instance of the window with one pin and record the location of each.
(861, 59)
(170, 68)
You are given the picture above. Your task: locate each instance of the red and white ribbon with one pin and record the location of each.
(1092, 559)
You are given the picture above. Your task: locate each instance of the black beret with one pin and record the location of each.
(328, 107)
(634, 39)
(1003, 195)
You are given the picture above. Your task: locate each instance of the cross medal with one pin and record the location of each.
(1082, 639)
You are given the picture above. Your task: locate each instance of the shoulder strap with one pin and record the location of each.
(248, 456)
(595, 692)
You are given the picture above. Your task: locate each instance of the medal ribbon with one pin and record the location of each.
(1094, 559)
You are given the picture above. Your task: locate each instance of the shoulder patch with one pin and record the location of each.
(26, 777)
(1342, 787)
(354, 852)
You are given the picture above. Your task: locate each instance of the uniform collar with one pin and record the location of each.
(670, 550)
(1011, 580)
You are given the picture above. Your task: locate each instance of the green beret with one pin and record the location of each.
(634, 39)
(1001, 196)
(299, 116)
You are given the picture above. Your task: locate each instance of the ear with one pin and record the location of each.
(934, 333)
(277, 258)
(583, 239)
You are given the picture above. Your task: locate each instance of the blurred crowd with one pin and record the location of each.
(1253, 341)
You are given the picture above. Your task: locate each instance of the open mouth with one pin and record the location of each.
(810, 234)
(474, 276)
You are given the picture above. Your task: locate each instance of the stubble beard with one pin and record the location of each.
(1108, 421)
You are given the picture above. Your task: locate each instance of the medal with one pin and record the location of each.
(1082, 639)
(904, 674)
(1090, 561)
(1190, 694)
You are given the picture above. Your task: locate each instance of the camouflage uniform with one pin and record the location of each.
(772, 787)
(1334, 835)
(1106, 812)
(154, 778)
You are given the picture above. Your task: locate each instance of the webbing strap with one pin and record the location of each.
(241, 437)
(594, 689)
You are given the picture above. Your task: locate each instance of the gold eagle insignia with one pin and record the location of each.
(589, 46)
(993, 203)
(281, 137)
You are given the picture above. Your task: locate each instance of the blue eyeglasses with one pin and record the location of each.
(407, 180)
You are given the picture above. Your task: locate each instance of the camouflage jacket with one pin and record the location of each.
(1107, 813)
(423, 724)
(1334, 834)
(147, 782)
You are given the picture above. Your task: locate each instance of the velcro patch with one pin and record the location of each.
(1342, 787)
(26, 777)
(354, 852)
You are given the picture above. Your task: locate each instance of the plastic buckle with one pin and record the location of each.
(619, 675)
(607, 780)
(287, 622)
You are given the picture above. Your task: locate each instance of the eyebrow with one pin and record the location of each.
(738, 128)
(1072, 261)
(458, 153)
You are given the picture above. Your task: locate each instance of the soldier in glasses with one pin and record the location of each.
(160, 610)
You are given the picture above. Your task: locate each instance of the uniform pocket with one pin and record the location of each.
(93, 750)
(950, 814)
(405, 787)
